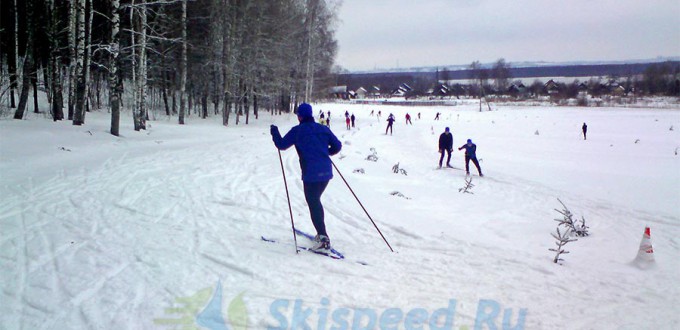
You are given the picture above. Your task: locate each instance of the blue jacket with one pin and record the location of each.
(315, 143)
(470, 150)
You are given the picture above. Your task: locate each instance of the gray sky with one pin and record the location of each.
(409, 33)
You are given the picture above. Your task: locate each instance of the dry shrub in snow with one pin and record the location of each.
(467, 187)
(561, 240)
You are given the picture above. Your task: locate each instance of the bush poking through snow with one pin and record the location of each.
(398, 194)
(373, 156)
(396, 169)
(580, 229)
(536, 133)
(561, 240)
(468, 185)
(670, 129)
(359, 170)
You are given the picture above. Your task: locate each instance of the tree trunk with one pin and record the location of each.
(56, 87)
(204, 105)
(114, 82)
(309, 22)
(142, 76)
(14, 70)
(183, 65)
(72, 18)
(34, 82)
(255, 110)
(25, 87)
(28, 65)
(79, 111)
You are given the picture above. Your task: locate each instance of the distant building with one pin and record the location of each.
(361, 93)
(339, 92)
(402, 90)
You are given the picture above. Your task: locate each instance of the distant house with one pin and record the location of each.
(375, 91)
(441, 90)
(551, 87)
(361, 93)
(402, 90)
(518, 89)
(339, 92)
(618, 90)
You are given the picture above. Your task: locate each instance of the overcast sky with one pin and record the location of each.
(408, 33)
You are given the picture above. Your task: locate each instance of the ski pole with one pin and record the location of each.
(290, 209)
(362, 206)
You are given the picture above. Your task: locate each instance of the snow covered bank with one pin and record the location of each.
(136, 232)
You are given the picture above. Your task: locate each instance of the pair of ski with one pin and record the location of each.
(333, 253)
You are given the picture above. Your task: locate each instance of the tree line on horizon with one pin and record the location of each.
(212, 57)
(654, 79)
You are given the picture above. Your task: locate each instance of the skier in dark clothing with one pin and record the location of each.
(471, 155)
(390, 121)
(315, 144)
(408, 119)
(445, 145)
(437, 116)
(585, 130)
(352, 119)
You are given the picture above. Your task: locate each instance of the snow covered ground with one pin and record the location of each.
(160, 229)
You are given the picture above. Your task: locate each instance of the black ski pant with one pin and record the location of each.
(448, 159)
(313, 191)
(389, 127)
(467, 164)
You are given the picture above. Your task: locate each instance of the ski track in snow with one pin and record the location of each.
(113, 242)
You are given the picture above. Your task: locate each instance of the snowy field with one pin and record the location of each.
(160, 229)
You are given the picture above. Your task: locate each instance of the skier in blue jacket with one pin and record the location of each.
(315, 143)
(471, 155)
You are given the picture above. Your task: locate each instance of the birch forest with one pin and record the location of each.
(175, 58)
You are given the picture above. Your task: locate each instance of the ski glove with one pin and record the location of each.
(273, 130)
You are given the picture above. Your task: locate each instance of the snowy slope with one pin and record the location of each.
(142, 231)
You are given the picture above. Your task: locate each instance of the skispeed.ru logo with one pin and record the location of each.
(295, 315)
(203, 310)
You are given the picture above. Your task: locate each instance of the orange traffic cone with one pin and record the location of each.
(645, 256)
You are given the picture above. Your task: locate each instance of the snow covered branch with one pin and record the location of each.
(562, 240)
(580, 229)
(467, 187)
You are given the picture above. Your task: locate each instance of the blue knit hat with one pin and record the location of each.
(446, 129)
(305, 110)
(469, 141)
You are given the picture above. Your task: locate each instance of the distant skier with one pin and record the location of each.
(390, 121)
(352, 119)
(322, 119)
(371, 113)
(315, 144)
(346, 113)
(584, 128)
(347, 121)
(328, 119)
(437, 116)
(471, 155)
(418, 115)
(408, 119)
(445, 145)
